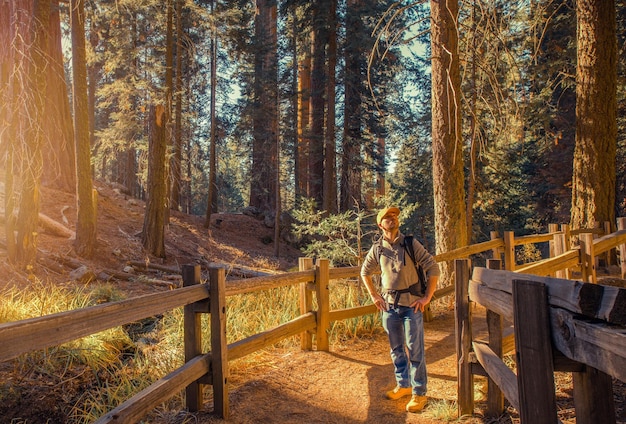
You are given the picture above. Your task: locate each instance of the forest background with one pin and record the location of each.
(472, 116)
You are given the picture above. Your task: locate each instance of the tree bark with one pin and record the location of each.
(448, 180)
(212, 197)
(86, 228)
(351, 197)
(60, 169)
(265, 119)
(153, 233)
(304, 104)
(330, 169)
(32, 99)
(593, 181)
(318, 100)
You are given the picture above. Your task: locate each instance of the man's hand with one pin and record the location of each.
(420, 304)
(380, 303)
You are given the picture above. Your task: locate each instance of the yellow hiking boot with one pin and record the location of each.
(416, 403)
(398, 392)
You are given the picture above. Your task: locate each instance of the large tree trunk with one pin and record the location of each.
(86, 224)
(448, 180)
(153, 233)
(32, 100)
(330, 170)
(304, 105)
(351, 162)
(212, 197)
(593, 182)
(60, 171)
(318, 101)
(177, 183)
(265, 120)
(174, 174)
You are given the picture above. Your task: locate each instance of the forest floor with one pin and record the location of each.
(345, 385)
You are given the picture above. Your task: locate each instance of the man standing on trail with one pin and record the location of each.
(402, 303)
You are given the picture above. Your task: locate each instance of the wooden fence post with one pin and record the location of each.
(509, 250)
(552, 229)
(559, 249)
(535, 366)
(495, 397)
(587, 258)
(322, 280)
(219, 348)
(495, 253)
(621, 225)
(610, 255)
(306, 303)
(463, 335)
(593, 397)
(192, 337)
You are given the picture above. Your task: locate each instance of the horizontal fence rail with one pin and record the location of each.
(200, 368)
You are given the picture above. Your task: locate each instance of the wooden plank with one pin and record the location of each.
(344, 272)
(306, 302)
(347, 313)
(535, 370)
(498, 301)
(549, 266)
(607, 303)
(502, 375)
(192, 330)
(588, 258)
(251, 285)
(219, 348)
(322, 293)
(463, 339)
(38, 333)
(135, 408)
(621, 225)
(495, 397)
(509, 251)
(267, 338)
(593, 397)
(467, 251)
(595, 344)
(533, 238)
(608, 242)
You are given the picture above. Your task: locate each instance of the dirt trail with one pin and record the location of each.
(345, 385)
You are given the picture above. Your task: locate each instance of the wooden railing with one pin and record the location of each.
(201, 368)
(558, 325)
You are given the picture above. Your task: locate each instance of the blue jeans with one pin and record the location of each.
(406, 335)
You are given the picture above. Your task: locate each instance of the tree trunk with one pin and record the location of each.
(212, 197)
(304, 104)
(35, 50)
(351, 197)
(593, 181)
(174, 174)
(448, 181)
(330, 170)
(318, 101)
(86, 229)
(153, 233)
(265, 119)
(60, 171)
(178, 130)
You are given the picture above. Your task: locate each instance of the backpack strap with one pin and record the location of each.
(408, 246)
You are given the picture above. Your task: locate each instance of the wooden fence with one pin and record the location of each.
(202, 368)
(556, 325)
